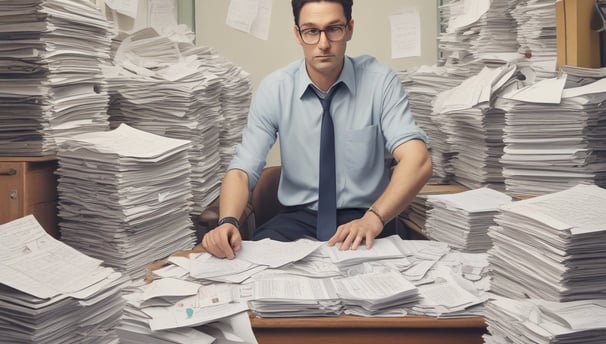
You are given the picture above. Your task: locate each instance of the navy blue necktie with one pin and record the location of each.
(326, 225)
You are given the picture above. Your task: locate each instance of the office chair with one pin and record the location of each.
(263, 205)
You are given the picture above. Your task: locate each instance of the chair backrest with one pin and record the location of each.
(264, 198)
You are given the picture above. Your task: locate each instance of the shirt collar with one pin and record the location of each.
(347, 77)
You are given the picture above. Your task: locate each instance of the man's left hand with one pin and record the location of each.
(351, 234)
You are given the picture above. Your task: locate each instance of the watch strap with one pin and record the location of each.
(229, 219)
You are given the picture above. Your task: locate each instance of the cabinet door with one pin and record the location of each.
(40, 194)
(40, 183)
(29, 187)
(12, 177)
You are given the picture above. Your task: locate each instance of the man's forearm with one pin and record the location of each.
(408, 178)
(234, 194)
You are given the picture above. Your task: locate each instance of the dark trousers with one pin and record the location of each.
(293, 223)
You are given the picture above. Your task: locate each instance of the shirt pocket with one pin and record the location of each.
(363, 150)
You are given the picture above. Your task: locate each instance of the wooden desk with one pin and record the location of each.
(348, 329)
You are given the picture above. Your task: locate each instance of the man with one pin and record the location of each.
(370, 115)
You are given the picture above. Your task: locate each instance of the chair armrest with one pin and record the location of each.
(209, 217)
(263, 205)
(206, 220)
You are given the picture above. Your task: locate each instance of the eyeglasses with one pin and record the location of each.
(334, 33)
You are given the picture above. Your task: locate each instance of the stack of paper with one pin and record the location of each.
(206, 186)
(496, 29)
(125, 197)
(422, 86)
(543, 322)
(51, 84)
(462, 219)
(170, 90)
(477, 136)
(294, 296)
(551, 247)
(554, 136)
(381, 293)
(415, 216)
(477, 34)
(458, 30)
(482, 32)
(235, 101)
(536, 29)
(475, 128)
(580, 76)
(51, 293)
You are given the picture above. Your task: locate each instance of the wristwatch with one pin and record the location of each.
(229, 219)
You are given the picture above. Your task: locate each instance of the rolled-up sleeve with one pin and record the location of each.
(397, 121)
(259, 135)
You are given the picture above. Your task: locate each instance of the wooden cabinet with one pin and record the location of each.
(28, 185)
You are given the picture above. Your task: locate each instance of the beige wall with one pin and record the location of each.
(260, 57)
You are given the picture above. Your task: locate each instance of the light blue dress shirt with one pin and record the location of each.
(371, 118)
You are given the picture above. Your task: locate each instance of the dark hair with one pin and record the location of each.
(297, 5)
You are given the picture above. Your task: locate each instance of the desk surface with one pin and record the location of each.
(357, 330)
(437, 189)
(28, 158)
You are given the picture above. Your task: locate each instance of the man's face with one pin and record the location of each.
(325, 57)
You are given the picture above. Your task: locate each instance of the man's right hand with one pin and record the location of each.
(223, 241)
